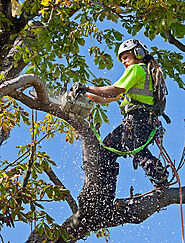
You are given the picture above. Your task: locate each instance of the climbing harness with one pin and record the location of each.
(147, 107)
(151, 136)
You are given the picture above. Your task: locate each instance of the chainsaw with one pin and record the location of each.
(72, 100)
(75, 102)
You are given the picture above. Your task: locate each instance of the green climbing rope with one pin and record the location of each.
(121, 152)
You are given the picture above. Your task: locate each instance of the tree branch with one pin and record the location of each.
(70, 200)
(26, 100)
(138, 210)
(133, 211)
(7, 60)
(43, 102)
(2, 241)
(10, 86)
(174, 41)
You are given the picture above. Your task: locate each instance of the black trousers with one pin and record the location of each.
(133, 132)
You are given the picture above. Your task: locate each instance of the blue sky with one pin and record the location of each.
(159, 228)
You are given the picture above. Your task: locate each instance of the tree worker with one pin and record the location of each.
(135, 88)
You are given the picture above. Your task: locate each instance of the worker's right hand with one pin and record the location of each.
(79, 88)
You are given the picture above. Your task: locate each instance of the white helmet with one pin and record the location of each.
(139, 48)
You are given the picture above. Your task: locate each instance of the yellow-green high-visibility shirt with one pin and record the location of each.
(138, 85)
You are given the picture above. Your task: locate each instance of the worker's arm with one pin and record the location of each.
(102, 100)
(106, 91)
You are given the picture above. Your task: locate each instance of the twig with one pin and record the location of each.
(2, 241)
(28, 151)
(17, 160)
(76, 73)
(135, 197)
(30, 163)
(182, 161)
(174, 41)
(39, 25)
(42, 200)
(33, 150)
(50, 17)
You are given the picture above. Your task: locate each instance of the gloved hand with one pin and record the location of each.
(79, 88)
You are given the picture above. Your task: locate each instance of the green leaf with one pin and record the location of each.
(81, 41)
(34, 173)
(56, 234)
(47, 231)
(49, 219)
(97, 118)
(101, 64)
(104, 116)
(40, 230)
(118, 35)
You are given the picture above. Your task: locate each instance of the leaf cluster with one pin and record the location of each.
(14, 199)
(103, 233)
(54, 45)
(98, 115)
(155, 17)
(52, 230)
(50, 125)
(11, 113)
(53, 48)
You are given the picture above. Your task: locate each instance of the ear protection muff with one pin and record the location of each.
(139, 52)
(139, 49)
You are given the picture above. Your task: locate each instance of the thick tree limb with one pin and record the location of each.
(44, 103)
(6, 8)
(7, 60)
(10, 86)
(17, 23)
(133, 211)
(138, 210)
(174, 41)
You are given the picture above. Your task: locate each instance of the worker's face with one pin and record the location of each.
(128, 59)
